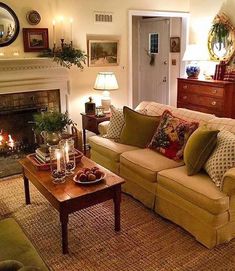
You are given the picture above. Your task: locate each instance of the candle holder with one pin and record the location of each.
(67, 145)
(57, 164)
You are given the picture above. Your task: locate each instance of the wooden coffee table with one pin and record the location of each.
(70, 197)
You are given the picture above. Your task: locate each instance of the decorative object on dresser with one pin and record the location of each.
(220, 70)
(193, 54)
(106, 81)
(208, 96)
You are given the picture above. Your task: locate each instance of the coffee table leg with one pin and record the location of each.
(64, 231)
(117, 202)
(26, 190)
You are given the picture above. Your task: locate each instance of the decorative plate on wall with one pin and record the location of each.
(33, 17)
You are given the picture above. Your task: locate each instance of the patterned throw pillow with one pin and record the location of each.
(222, 158)
(172, 135)
(116, 123)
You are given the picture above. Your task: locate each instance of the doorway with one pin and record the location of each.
(153, 69)
(153, 55)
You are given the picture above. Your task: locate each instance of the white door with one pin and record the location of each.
(153, 60)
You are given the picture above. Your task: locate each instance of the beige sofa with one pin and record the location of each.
(161, 184)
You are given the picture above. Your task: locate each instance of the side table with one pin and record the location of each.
(90, 123)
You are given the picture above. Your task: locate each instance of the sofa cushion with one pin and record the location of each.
(153, 108)
(138, 129)
(190, 115)
(10, 265)
(222, 124)
(108, 147)
(197, 189)
(16, 246)
(147, 163)
(198, 148)
(172, 135)
(222, 158)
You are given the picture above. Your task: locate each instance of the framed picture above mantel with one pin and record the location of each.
(35, 39)
(103, 53)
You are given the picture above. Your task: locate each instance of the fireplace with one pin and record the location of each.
(16, 124)
(27, 86)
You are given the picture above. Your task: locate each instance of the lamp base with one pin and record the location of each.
(105, 103)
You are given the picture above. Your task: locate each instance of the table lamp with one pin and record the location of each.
(194, 53)
(106, 81)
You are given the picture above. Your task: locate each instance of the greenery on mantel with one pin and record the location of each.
(67, 56)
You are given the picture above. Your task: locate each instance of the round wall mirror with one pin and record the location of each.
(9, 25)
(221, 39)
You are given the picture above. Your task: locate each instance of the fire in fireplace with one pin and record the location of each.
(17, 137)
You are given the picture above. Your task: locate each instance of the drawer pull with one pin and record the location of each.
(213, 103)
(185, 97)
(214, 91)
(185, 86)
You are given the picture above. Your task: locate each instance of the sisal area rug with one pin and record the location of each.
(146, 242)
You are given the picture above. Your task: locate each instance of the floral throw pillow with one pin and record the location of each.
(171, 135)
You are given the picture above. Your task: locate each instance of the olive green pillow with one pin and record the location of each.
(198, 149)
(138, 129)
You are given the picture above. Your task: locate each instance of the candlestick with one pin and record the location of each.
(58, 161)
(71, 30)
(66, 152)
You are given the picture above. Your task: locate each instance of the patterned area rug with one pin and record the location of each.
(146, 242)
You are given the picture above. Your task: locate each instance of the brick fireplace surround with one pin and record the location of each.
(27, 86)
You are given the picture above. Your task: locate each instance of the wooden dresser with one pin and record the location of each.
(208, 96)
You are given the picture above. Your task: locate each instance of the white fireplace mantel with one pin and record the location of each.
(32, 74)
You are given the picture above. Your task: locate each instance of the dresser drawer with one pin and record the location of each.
(200, 100)
(201, 89)
(200, 109)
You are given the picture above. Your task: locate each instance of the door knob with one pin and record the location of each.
(164, 79)
(165, 62)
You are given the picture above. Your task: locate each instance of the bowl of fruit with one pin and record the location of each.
(89, 176)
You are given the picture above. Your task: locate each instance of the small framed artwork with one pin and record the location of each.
(35, 39)
(174, 44)
(103, 53)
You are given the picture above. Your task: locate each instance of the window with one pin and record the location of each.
(153, 43)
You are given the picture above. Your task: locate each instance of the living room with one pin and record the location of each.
(170, 215)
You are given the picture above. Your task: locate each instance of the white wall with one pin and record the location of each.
(82, 12)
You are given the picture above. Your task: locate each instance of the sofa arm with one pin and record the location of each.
(103, 127)
(228, 182)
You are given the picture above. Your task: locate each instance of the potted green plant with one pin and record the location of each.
(51, 125)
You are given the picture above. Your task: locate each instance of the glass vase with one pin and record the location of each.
(67, 145)
(57, 164)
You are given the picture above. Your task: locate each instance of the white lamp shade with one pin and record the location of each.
(106, 81)
(196, 52)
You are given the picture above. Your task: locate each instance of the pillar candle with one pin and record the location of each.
(58, 161)
(54, 33)
(71, 29)
(66, 152)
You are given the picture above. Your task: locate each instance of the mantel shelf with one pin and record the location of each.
(33, 63)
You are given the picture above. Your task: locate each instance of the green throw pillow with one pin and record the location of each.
(198, 149)
(138, 129)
